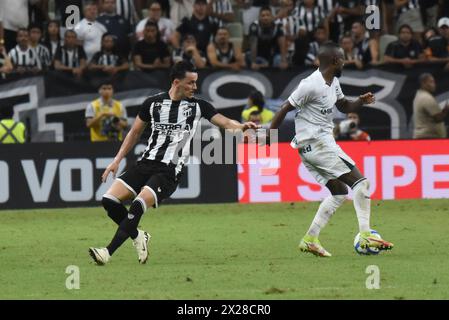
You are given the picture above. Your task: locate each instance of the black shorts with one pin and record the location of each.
(159, 178)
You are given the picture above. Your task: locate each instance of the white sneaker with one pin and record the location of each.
(100, 255)
(141, 244)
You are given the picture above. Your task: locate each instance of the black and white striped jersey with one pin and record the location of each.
(24, 58)
(311, 19)
(44, 57)
(172, 125)
(126, 9)
(107, 59)
(70, 57)
(328, 5)
(412, 4)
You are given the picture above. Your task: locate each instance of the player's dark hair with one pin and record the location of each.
(179, 70)
(70, 31)
(257, 98)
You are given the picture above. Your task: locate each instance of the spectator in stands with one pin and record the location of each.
(348, 129)
(44, 58)
(443, 28)
(351, 11)
(71, 58)
(11, 131)
(367, 49)
(406, 50)
(127, 10)
(52, 38)
(117, 26)
(107, 61)
(90, 31)
(334, 20)
(106, 117)
(151, 53)
(223, 54)
(250, 11)
(311, 16)
(430, 11)
(6, 66)
(23, 57)
(267, 43)
(256, 102)
(166, 26)
(291, 26)
(202, 26)
(436, 47)
(14, 17)
(221, 10)
(180, 9)
(189, 52)
(408, 12)
(312, 54)
(427, 114)
(350, 53)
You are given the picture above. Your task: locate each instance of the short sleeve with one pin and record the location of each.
(144, 112)
(430, 105)
(164, 53)
(90, 113)
(207, 110)
(300, 96)
(338, 90)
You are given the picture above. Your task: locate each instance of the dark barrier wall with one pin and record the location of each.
(52, 106)
(52, 175)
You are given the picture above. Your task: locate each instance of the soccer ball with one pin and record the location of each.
(366, 251)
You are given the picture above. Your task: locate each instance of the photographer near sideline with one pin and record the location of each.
(105, 117)
(348, 129)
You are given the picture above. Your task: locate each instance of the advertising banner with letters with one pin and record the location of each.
(55, 175)
(401, 169)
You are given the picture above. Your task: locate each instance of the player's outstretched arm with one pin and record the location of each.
(280, 115)
(130, 141)
(347, 106)
(225, 123)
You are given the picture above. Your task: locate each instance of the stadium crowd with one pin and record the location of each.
(112, 36)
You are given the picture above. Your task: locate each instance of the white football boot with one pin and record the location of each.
(100, 255)
(141, 245)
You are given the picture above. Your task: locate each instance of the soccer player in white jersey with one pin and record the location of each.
(173, 117)
(314, 100)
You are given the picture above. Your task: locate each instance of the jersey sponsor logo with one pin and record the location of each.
(327, 111)
(305, 149)
(171, 128)
(187, 112)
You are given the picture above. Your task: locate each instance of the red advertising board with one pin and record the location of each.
(396, 169)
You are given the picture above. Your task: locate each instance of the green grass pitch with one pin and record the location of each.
(226, 251)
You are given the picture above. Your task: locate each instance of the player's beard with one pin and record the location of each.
(338, 73)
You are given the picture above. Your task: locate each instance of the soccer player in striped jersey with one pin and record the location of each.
(314, 101)
(174, 117)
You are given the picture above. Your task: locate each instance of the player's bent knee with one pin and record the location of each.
(120, 191)
(149, 197)
(109, 201)
(362, 187)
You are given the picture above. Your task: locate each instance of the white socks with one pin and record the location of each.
(324, 213)
(362, 204)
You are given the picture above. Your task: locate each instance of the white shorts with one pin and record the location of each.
(325, 160)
